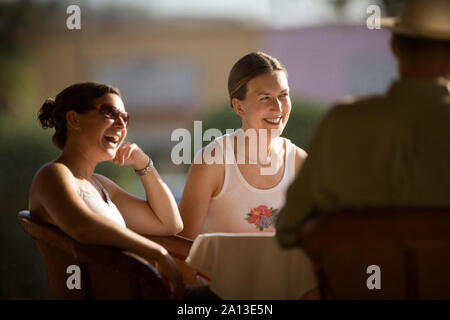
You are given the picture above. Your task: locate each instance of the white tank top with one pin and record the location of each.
(108, 209)
(240, 207)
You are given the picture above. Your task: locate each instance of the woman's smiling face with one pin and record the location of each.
(267, 104)
(107, 131)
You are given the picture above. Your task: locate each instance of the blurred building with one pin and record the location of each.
(327, 62)
(170, 71)
(167, 71)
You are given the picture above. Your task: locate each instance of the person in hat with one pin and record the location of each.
(384, 150)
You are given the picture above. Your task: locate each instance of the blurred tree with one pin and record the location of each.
(392, 7)
(19, 19)
(13, 18)
(22, 152)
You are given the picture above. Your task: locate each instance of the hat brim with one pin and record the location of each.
(395, 26)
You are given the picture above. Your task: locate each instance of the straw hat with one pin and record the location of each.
(422, 18)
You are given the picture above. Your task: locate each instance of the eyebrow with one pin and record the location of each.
(268, 94)
(113, 106)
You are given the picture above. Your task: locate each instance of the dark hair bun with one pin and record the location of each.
(46, 114)
(77, 97)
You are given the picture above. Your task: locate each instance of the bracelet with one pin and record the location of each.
(146, 169)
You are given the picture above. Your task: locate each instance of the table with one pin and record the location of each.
(251, 266)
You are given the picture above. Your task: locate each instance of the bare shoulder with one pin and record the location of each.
(300, 153)
(50, 179)
(208, 171)
(53, 173)
(300, 156)
(210, 158)
(207, 163)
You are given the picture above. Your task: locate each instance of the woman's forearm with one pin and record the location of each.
(103, 231)
(161, 201)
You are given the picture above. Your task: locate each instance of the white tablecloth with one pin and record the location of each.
(251, 266)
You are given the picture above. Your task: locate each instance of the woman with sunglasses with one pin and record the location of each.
(90, 124)
(245, 194)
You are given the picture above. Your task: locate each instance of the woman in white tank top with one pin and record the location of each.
(90, 124)
(238, 182)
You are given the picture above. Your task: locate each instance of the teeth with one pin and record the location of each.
(112, 138)
(275, 121)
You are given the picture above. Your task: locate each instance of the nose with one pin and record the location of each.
(120, 123)
(277, 104)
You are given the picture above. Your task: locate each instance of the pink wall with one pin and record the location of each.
(327, 62)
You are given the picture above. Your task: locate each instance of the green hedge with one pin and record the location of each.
(22, 151)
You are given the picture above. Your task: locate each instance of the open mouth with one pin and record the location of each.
(275, 121)
(112, 138)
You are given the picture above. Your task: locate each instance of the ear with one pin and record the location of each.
(238, 106)
(73, 119)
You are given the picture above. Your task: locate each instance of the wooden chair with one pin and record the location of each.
(106, 272)
(410, 246)
(179, 247)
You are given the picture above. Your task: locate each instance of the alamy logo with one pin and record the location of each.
(74, 20)
(374, 20)
(252, 147)
(74, 280)
(374, 281)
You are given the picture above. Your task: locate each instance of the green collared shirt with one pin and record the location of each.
(387, 150)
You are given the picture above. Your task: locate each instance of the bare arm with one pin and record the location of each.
(56, 190)
(203, 182)
(300, 156)
(158, 214)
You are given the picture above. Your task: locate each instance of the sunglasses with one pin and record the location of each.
(114, 113)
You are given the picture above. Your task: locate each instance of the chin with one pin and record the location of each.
(276, 132)
(109, 154)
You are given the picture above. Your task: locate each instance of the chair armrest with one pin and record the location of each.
(176, 245)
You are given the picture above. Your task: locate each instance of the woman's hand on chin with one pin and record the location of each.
(129, 154)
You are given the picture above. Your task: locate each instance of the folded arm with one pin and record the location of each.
(157, 215)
